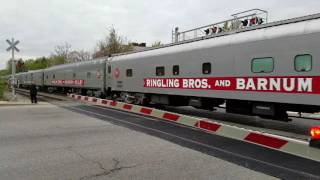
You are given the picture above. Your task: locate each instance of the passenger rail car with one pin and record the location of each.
(25, 79)
(266, 71)
(87, 78)
(262, 72)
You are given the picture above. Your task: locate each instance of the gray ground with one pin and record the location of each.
(19, 98)
(47, 142)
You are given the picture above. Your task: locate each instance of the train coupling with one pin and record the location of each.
(315, 137)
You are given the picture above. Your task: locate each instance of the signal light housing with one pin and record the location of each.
(315, 137)
(315, 132)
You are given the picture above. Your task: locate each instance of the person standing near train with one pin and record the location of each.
(33, 94)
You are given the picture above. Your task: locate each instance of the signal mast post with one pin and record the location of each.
(12, 47)
(13, 69)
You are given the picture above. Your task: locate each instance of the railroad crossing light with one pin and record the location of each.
(315, 132)
(315, 136)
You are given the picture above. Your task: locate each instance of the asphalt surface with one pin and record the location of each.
(251, 156)
(86, 142)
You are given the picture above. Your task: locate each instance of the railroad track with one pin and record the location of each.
(44, 96)
(298, 128)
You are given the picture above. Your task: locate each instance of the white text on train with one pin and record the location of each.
(275, 84)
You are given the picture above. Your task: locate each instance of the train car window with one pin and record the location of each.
(206, 68)
(262, 65)
(129, 73)
(303, 63)
(47, 77)
(109, 69)
(74, 75)
(88, 75)
(160, 71)
(54, 76)
(175, 70)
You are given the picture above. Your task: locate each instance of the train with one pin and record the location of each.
(265, 71)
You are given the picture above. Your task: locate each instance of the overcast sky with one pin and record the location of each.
(40, 25)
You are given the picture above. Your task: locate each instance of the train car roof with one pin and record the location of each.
(291, 27)
(32, 71)
(91, 62)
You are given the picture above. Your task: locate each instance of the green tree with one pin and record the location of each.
(3, 84)
(112, 44)
(39, 63)
(2, 88)
(4, 72)
(56, 60)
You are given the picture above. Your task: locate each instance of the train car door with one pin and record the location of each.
(108, 77)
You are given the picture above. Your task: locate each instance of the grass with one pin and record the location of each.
(3, 87)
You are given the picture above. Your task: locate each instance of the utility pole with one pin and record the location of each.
(12, 47)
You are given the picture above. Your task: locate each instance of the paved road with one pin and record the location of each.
(49, 142)
(255, 157)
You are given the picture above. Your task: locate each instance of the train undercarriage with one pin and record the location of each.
(267, 110)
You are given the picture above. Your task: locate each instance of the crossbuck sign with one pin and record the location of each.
(12, 45)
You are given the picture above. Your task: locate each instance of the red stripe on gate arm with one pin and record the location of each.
(145, 110)
(171, 117)
(104, 102)
(72, 95)
(79, 97)
(210, 126)
(266, 140)
(113, 103)
(94, 100)
(127, 106)
(86, 98)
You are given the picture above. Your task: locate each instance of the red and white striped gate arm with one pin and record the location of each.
(284, 144)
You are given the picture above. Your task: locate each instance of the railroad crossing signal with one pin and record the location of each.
(13, 45)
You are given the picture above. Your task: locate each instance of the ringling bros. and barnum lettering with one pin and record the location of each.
(279, 84)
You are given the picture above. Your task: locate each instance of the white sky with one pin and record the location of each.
(40, 25)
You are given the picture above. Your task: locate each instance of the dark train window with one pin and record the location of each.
(54, 76)
(175, 70)
(262, 65)
(74, 75)
(129, 73)
(109, 69)
(88, 75)
(160, 71)
(303, 63)
(206, 68)
(47, 77)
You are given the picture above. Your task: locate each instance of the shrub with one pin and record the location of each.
(2, 88)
